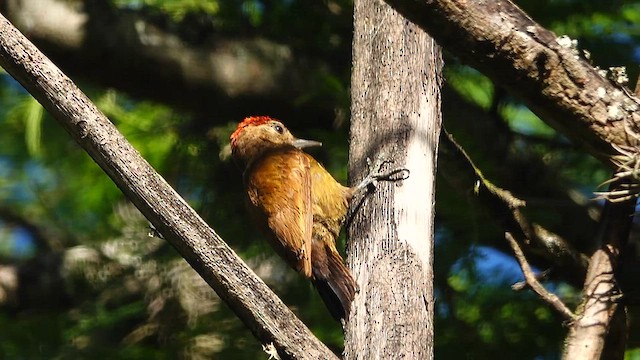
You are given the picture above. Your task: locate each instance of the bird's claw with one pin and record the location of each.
(375, 170)
(376, 174)
(397, 174)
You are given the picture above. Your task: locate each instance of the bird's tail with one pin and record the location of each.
(334, 283)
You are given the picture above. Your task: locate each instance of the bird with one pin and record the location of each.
(298, 205)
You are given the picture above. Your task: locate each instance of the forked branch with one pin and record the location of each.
(529, 276)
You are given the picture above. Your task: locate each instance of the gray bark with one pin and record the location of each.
(395, 115)
(600, 330)
(547, 72)
(254, 303)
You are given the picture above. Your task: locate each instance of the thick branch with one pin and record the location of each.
(520, 169)
(500, 40)
(263, 312)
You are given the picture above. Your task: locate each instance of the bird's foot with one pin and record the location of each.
(377, 174)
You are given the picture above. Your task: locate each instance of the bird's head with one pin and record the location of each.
(257, 134)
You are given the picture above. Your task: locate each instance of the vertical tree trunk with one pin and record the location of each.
(395, 114)
(600, 331)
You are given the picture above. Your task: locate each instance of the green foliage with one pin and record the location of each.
(132, 296)
(476, 315)
(150, 128)
(176, 9)
(26, 331)
(633, 354)
(471, 84)
(32, 112)
(524, 121)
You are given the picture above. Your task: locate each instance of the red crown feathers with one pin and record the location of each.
(248, 121)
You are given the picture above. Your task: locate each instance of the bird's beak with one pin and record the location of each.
(302, 143)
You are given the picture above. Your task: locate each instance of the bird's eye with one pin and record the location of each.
(278, 128)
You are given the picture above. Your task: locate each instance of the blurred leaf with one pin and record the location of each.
(471, 84)
(632, 354)
(177, 9)
(33, 122)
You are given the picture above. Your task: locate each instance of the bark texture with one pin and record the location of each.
(546, 71)
(396, 116)
(262, 312)
(497, 38)
(600, 331)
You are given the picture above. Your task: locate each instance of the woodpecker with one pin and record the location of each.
(298, 205)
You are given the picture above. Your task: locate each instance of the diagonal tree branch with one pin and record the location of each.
(505, 208)
(600, 331)
(254, 303)
(532, 281)
(547, 72)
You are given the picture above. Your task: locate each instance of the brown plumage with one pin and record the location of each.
(298, 204)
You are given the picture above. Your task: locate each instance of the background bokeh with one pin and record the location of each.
(81, 278)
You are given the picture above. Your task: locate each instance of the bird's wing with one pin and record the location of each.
(279, 188)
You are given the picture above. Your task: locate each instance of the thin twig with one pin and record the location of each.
(530, 278)
(521, 285)
(506, 208)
